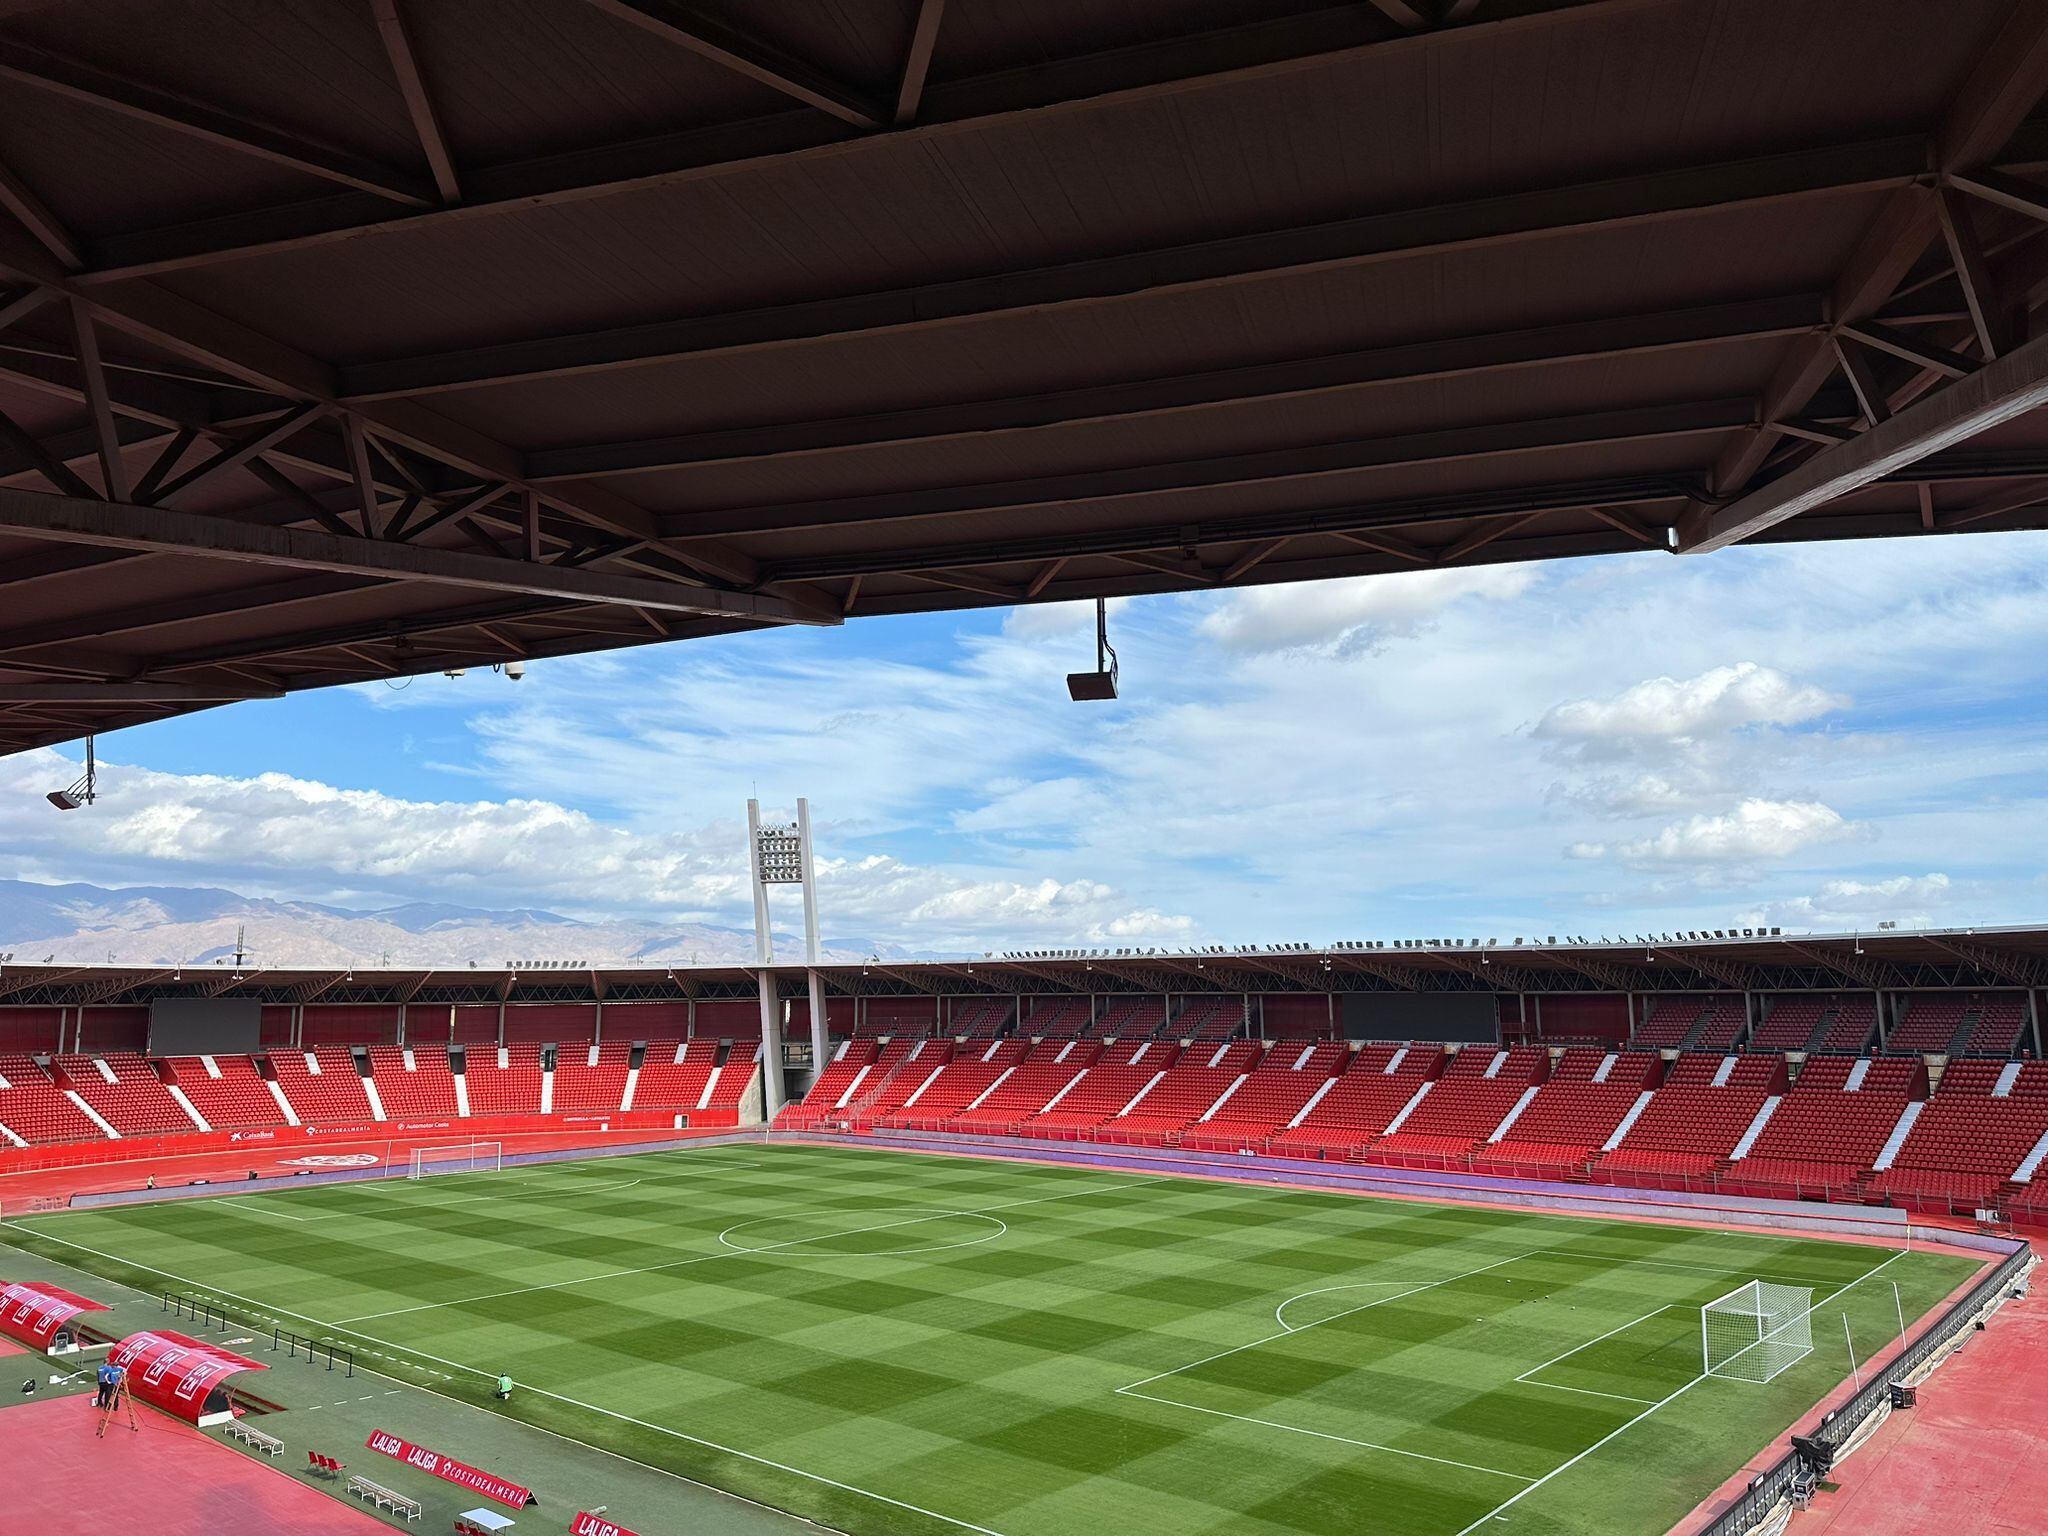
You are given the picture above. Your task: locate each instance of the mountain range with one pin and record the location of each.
(196, 925)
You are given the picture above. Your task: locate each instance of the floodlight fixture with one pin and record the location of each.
(81, 792)
(1100, 685)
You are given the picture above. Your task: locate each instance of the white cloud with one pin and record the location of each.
(1266, 776)
(1721, 699)
(1327, 612)
(1910, 899)
(1755, 829)
(1043, 621)
(274, 832)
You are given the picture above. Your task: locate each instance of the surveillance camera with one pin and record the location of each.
(515, 670)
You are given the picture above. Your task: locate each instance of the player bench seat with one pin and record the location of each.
(384, 1498)
(324, 1466)
(255, 1439)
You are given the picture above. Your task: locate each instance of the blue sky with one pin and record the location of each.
(1818, 736)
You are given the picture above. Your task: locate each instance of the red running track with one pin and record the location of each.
(1968, 1461)
(286, 1159)
(165, 1479)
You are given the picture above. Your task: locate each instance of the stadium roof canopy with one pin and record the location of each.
(1890, 960)
(348, 339)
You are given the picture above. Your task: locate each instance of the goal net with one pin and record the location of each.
(1757, 1331)
(457, 1157)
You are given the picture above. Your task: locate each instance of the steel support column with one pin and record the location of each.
(821, 1040)
(771, 1045)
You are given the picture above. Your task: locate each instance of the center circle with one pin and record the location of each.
(869, 1234)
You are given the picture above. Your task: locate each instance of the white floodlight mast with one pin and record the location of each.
(781, 855)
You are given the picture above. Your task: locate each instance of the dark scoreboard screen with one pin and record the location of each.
(204, 1026)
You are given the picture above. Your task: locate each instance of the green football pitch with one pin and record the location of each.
(893, 1343)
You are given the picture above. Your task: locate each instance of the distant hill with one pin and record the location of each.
(147, 925)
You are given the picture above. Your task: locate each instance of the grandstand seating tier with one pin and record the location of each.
(511, 1089)
(333, 1094)
(673, 1074)
(1377, 1086)
(1280, 1087)
(238, 1099)
(1692, 1125)
(135, 1103)
(426, 1090)
(35, 1109)
(1465, 1105)
(585, 1088)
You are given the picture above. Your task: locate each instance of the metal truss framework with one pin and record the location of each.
(1889, 962)
(345, 478)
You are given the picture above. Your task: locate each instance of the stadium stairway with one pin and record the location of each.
(228, 1091)
(322, 1085)
(675, 1074)
(904, 1066)
(35, 1111)
(973, 1071)
(1047, 1071)
(591, 1079)
(1065, 1018)
(1381, 1082)
(1670, 1022)
(1194, 1086)
(1208, 1018)
(1852, 1027)
(736, 1074)
(1980, 1125)
(1573, 1115)
(1931, 1025)
(1102, 1090)
(1792, 1023)
(1830, 1128)
(1723, 1026)
(981, 1020)
(1126, 1021)
(124, 1090)
(842, 1076)
(414, 1082)
(1477, 1092)
(1693, 1123)
(502, 1080)
(1287, 1079)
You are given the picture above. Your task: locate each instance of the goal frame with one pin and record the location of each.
(1783, 1334)
(449, 1157)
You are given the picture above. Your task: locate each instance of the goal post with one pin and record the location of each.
(1757, 1331)
(457, 1157)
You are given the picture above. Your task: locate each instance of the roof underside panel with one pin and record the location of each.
(345, 340)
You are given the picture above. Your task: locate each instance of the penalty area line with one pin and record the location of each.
(1496, 1512)
(1296, 1429)
(1620, 1397)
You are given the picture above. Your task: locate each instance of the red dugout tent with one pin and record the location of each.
(180, 1375)
(32, 1312)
